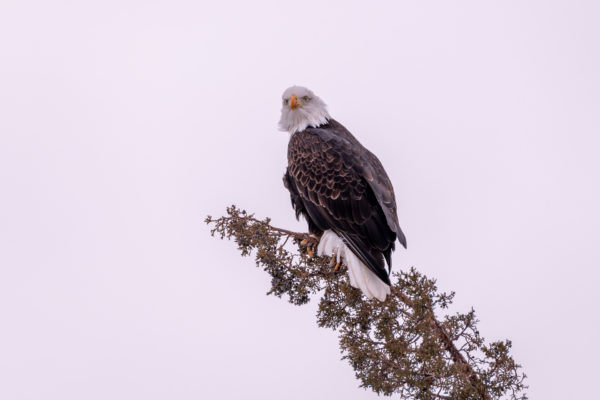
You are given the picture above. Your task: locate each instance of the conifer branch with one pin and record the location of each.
(398, 346)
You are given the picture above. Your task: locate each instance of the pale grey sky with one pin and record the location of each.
(123, 123)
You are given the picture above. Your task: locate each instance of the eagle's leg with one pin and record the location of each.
(333, 260)
(309, 247)
(335, 263)
(337, 266)
(310, 244)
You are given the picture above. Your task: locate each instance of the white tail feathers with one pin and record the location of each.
(361, 277)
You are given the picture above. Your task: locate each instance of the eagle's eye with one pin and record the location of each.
(285, 102)
(305, 98)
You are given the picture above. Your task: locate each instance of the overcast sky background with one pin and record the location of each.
(124, 123)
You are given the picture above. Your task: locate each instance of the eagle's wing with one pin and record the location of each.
(375, 175)
(337, 184)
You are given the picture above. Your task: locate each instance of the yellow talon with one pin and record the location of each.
(337, 266)
(310, 251)
(333, 260)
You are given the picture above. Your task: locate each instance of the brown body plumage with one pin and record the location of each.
(339, 185)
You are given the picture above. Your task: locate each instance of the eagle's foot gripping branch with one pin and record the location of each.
(310, 244)
(310, 247)
(335, 263)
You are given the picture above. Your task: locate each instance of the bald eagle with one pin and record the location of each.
(342, 191)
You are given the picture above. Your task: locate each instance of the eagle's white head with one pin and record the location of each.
(300, 109)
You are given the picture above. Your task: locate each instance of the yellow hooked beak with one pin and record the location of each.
(294, 102)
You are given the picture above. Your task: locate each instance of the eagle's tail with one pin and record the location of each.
(361, 277)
